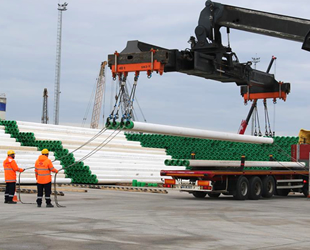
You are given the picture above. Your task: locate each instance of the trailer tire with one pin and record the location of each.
(214, 195)
(199, 195)
(305, 190)
(269, 187)
(242, 188)
(256, 187)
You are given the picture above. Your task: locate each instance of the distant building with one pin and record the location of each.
(2, 106)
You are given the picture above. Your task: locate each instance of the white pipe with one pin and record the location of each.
(85, 138)
(123, 150)
(19, 148)
(28, 157)
(273, 164)
(114, 181)
(196, 133)
(117, 163)
(124, 168)
(33, 180)
(117, 155)
(22, 152)
(127, 177)
(104, 174)
(9, 144)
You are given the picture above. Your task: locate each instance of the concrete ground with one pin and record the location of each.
(104, 219)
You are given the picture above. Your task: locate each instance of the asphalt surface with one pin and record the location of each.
(105, 219)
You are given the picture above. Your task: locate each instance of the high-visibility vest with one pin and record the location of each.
(10, 168)
(43, 169)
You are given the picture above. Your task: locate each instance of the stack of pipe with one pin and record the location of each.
(25, 156)
(135, 156)
(206, 149)
(119, 161)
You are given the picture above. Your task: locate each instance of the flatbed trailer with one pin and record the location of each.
(242, 184)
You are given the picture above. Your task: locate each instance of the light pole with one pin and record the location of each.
(61, 8)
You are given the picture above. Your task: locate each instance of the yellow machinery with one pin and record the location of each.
(304, 136)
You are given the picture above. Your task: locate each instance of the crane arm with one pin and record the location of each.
(216, 15)
(210, 59)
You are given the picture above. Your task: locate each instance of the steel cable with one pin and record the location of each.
(19, 191)
(101, 145)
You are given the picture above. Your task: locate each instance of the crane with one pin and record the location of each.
(208, 58)
(98, 96)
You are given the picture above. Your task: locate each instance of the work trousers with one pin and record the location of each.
(47, 190)
(9, 191)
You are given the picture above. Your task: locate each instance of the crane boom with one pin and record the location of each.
(98, 96)
(210, 59)
(215, 15)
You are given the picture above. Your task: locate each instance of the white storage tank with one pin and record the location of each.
(2, 106)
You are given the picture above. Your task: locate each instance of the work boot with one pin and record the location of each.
(49, 205)
(39, 205)
(12, 202)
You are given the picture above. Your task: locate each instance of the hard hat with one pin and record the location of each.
(44, 151)
(11, 152)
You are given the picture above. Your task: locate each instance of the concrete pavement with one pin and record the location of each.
(103, 219)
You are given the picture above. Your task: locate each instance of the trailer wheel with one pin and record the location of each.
(199, 195)
(268, 187)
(305, 190)
(242, 188)
(214, 195)
(256, 187)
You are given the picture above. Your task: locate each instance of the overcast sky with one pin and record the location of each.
(94, 29)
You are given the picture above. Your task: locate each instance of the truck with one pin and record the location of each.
(214, 178)
(208, 58)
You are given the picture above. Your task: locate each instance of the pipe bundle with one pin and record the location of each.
(137, 156)
(120, 161)
(205, 149)
(248, 164)
(193, 133)
(73, 170)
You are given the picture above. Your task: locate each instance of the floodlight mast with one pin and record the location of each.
(45, 118)
(61, 8)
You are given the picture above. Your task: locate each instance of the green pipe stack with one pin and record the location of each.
(136, 183)
(75, 170)
(180, 148)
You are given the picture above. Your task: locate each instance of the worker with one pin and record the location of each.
(10, 168)
(43, 169)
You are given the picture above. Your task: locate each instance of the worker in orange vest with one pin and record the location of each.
(43, 169)
(10, 168)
